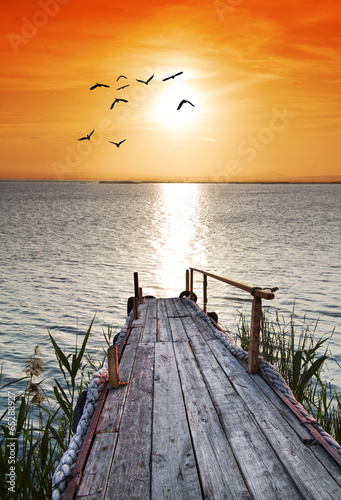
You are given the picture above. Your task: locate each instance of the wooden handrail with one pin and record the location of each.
(258, 294)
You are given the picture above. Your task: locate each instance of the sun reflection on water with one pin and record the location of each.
(179, 245)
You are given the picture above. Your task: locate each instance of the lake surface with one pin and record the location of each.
(69, 251)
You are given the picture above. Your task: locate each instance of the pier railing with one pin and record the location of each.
(258, 294)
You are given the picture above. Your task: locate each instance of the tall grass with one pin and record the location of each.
(299, 355)
(42, 430)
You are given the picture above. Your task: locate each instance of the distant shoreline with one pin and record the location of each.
(79, 181)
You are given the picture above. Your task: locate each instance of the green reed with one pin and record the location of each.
(42, 429)
(293, 348)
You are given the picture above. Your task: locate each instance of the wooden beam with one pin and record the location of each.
(136, 284)
(135, 306)
(191, 284)
(187, 279)
(256, 317)
(259, 292)
(114, 380)
(205, 291)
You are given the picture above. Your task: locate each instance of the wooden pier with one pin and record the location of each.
(193, 423)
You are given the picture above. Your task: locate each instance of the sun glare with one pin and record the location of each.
(165, 113)
(179, 227)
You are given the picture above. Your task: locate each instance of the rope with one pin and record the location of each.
(63, 472)
(269, 371)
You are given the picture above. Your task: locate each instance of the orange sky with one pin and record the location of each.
(264, 78)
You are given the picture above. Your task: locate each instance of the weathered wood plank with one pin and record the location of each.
(177, 329)
(142, 312)
(174, 475)
(163, 328)
(199, 325)
(219, 473)
(171, 309)
(204, 328)
(264, 474)
(302, 431)
(180, 307)
(96, 471)
(130, 471)
(111, 414)
(150, 324)
(305, 470)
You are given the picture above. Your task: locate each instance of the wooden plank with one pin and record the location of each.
(96, 471)
(219, 474)
(150, 325)
(302, 431)
(307, 473)
(200, 325)
(110, 417)
(264, 475)
(163, 328)
(130, 471)
(177, 329)
(174, 475)
(180, 307)
(256, 317)
(206, 328)
(142, 312)
(171, 309)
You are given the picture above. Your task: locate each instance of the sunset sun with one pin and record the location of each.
(165, 112)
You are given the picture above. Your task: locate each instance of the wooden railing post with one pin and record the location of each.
(256, 316)
(113, 375)
(136, 297)
(114, 380)
(191, 284)
(187, 279)
(205, 291)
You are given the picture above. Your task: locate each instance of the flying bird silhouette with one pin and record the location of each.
(118, 144)
(183, 102)
(146, 83)
(99, 85)
(87, 136)
(117, 100)
(173, 76)
(121, 76)
(124, 86)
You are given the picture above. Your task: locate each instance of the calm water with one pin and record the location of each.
(69, 251)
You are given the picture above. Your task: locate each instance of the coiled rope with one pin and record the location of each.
(62, 474)
(269, 371)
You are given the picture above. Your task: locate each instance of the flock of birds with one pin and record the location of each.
(184, 101)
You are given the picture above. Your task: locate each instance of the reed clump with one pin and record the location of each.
(294, 349)
(35, 431)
